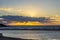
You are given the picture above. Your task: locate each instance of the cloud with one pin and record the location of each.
(32, 21)
(9, 9)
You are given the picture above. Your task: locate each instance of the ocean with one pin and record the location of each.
(32, 34)
(51, 27)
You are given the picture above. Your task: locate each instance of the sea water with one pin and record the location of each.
(32, 34)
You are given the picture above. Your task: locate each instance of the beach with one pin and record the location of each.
(32, 34)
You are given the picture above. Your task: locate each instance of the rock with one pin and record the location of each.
(2, 25)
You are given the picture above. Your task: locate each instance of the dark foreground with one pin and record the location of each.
(10, 38)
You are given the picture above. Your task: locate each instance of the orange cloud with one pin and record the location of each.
(31, 23)
(25, 23)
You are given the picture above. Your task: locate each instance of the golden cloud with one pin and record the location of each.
(31, 23)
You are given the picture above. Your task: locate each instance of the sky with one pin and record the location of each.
(31, 8)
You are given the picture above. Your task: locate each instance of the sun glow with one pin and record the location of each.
(24, 23)
(28, 10)
(31, 23)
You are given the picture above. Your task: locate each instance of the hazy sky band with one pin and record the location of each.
(35, 7)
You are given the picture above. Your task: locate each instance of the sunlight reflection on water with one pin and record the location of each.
(30, 34)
